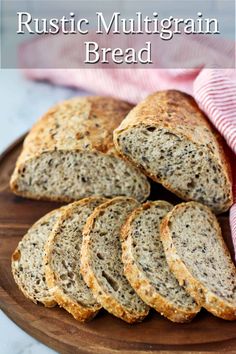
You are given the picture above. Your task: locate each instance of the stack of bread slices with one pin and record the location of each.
(109, 248)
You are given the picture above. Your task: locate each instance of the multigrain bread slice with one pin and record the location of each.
(27, 261)
(145, 264)
(62, 261)
(199, 258)
(69, 154)
(170, 138)
(101, 264)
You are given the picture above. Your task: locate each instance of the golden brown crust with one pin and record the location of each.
(179, 113)
(107, 301)
(140, 282)
(47, 301)
(78, 311)
(203, 296)
(88, 120)
(82, 124)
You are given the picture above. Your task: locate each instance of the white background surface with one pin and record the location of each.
(22, 102)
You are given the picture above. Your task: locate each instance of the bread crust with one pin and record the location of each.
(106, 300)
(89, 129)
(78, 311)
(48, 301)
(179, 113)
(92, 120)
(140, 282)
(203, 296)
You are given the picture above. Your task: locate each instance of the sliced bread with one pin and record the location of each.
(145, 264)
(169, 137)
(199, 258)
(69, 154)
(101, 264)
(62, 261)
(27, 261)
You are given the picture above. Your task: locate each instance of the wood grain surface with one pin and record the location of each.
(105, 334)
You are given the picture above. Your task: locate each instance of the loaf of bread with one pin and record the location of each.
(101, 264)
(27, 261)
(62, 261)
(145, 264)
(69, 154)
(172, 141)
(198, 257)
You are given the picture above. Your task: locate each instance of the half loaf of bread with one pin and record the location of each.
(69, 154)
(101, 263)
(62, 261)
(145, 264)
(199, 258)
(169, 137)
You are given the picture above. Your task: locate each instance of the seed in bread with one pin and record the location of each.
(173, 142)
(101, 264)
(62, 261)
(145, 264)
(69, 154)
(27, 261)
(197, 255)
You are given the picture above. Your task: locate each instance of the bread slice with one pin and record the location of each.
(198, 257)
(145, 264)
(62, 261)
(173, 142)
(27, 261)
(69, 154)
(101, 264)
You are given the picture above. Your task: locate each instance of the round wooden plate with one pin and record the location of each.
(105, 334)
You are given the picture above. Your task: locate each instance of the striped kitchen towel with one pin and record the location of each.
(213, 89)
(215, 93)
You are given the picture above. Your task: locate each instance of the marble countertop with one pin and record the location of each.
(22, 102)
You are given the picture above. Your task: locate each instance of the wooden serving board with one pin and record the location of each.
(105, 334)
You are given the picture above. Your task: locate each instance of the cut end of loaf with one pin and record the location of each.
(73, 175)
(189, 170)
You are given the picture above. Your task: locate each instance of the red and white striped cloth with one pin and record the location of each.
(215, 92)
(213, 89)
